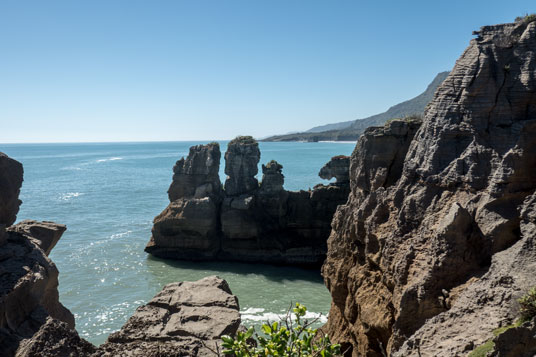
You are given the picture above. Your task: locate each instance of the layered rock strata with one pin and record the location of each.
(184, 319)
(436, 241)
(245, 221)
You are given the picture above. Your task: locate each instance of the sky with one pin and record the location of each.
(128, 70)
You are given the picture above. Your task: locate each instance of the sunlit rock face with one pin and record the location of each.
(435, 243)
(184, 319)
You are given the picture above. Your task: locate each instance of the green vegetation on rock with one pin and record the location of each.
(406, 119)
(527, 311)
(528, 305)
(243, 140)
(527, 18)
(284, 338)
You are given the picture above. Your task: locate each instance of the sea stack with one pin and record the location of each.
(195, 196)
(436, 242)
(246, 220)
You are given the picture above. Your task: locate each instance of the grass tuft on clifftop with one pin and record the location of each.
(527, 18)
(248, 140)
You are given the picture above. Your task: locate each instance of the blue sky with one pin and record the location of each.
(131, 70)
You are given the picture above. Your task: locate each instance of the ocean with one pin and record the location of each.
(108, 194)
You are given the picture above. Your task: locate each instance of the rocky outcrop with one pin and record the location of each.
(195, 194)
(55, 338)
(10, 183)
(247, 221)
(197, 175)
(338, 167)
(435, 244)
(184, 319)
(29, 283)
(45, 234)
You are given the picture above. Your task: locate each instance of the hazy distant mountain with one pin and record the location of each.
(350, 130)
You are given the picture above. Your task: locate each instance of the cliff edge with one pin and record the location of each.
(436, 241)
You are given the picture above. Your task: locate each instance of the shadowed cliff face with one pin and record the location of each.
(29, 279)
(425, 226)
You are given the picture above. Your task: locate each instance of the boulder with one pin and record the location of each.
(184, 319)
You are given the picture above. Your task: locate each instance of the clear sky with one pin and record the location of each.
(132, 70)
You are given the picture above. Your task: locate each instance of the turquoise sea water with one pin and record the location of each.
(108, 194)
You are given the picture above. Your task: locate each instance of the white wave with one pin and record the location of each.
(71, 168)
(252, 310)
(259, 314)
(338, 142)
(69, 195)
(119, 235)
(110, 159)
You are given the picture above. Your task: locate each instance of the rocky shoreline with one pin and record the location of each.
(427, 257)
(244, 220)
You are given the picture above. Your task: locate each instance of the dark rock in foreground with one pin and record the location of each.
(53, 339)
(44, 234)
(29, 279)
(245, 221)
(10, 182)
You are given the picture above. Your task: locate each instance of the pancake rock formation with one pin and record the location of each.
(436, 242)
(245, 220)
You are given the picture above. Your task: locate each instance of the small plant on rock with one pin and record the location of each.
(526, 19)
(528, 305)
(285, 338)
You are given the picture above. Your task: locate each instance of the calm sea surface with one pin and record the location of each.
(108, 193)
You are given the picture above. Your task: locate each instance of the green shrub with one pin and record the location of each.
(243, 140)
(527, 18)
(284, 338)
(407, 119)
(528, 305)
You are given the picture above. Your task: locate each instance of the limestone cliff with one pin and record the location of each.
(245, 221)
(436, 240)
